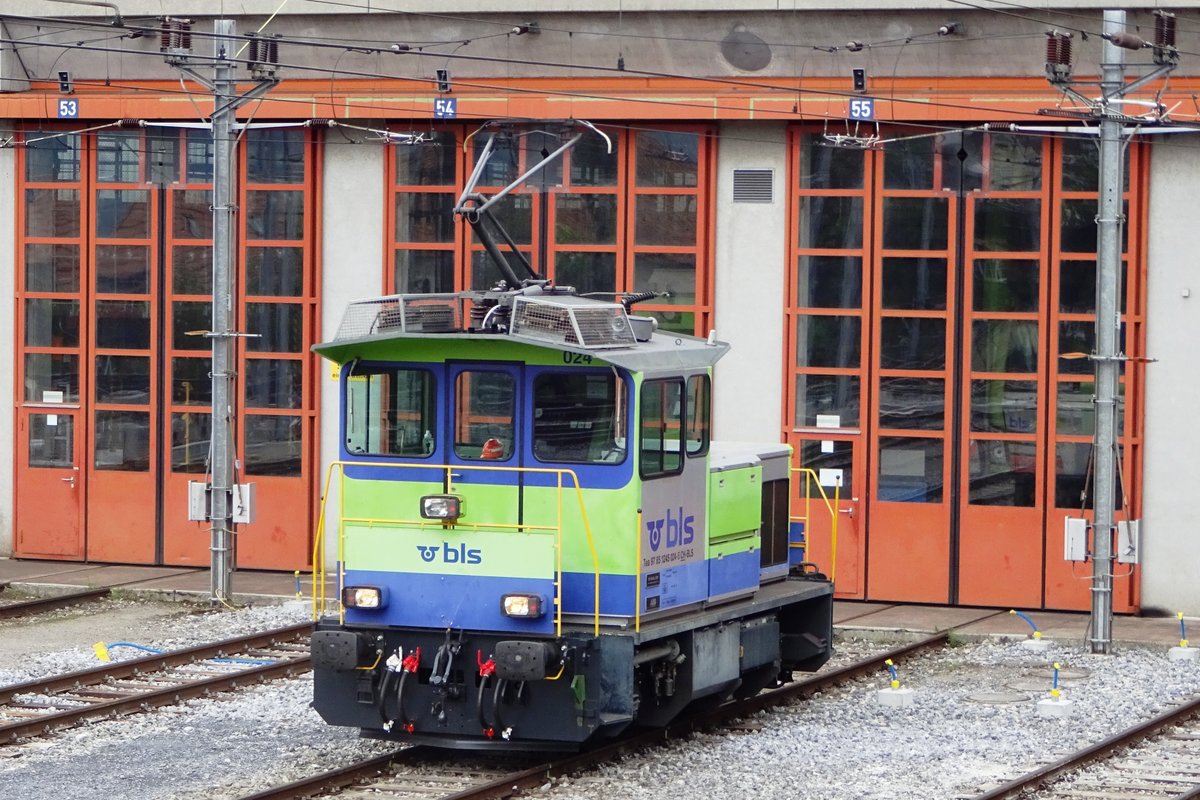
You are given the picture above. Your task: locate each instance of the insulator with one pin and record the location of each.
(1127, 41)
(854, 46)
(1052, 48)
(272, 54)
(165, 36)
(1064, 49)
(319, 122)
(1164, 29)
(185, 35)
(252, 53)
(129, 122)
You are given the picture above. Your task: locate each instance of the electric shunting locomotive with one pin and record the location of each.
(539, 544)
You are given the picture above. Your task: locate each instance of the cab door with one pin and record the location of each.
(483, 438)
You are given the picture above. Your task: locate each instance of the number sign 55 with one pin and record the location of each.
(863, 108)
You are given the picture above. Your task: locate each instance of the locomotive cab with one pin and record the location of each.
(539, 542)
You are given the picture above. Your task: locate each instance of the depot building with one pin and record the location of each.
(889, 213)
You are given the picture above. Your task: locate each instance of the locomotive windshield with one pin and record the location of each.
(579, 418)
(390, 412)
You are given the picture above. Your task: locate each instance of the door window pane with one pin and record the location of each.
(1078, 226)
(52, 160)
(275, 271)
(828, 341)
(424, 271)
(908, 163)
(162, 156)
(1008, 224)
(190, 316)
(698, 415)
(914, 284)
(1076, 409)
(191, 381)
(824, 166)
(592, 219)
(191, 433)
(674, 273)
(275, 155)
(123, 324)
(123, 379)
(278, 325)
(836, 467)
(199, 156)
(425, 217)
(1005, 285)
(485, 273)
(833, 223)
(515, 215)
(123, 213)
(1077, 286)
(667, 159)
(192, 211)
(51, 323)
(910, 470)
(1004, 406)
(484, 412)
(118, 157)
(912, 343)
(52, 441)
(1016, 163)
(122, 441)
(275, 214)
(1002, 473)
(587, 272)
(1073, 473)
(912, 403)
(427, 164)
(273, 383)
(52, 212)
(666, 219)
(51, 268)
(915, 223)
(51, 372)
(592, 164)
(1004, 345)
(191, 269)
(122, 269)
(829, 281)
(273, 445)
(827, 395)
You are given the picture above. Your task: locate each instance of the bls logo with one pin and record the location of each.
(450, 555)
(679, 529)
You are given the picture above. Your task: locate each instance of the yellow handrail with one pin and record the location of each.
(811, 478)
(319, 577)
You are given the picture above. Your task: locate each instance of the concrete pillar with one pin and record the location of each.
(751, 265)
(1170, 552)
(352, 262)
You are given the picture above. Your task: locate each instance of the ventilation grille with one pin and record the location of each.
(572, 321)
(412, 313)
(753, 185)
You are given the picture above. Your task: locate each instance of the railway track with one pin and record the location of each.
(1159, 758)
(418, 771)
(39, 605)
(40, 706)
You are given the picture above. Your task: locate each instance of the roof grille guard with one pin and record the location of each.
(573, 321)
(402, 313)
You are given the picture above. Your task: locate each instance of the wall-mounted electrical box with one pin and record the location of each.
(200, 502)
(1075, 539)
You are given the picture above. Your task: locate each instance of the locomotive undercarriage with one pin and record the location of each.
(487, 690)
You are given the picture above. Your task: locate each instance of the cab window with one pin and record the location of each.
(660, 426)
(699, 407)
(390, 411)
(579, 418)
(484, 415)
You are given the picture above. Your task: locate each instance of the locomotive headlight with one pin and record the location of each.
(527, 606)
(363, 597)
(441, 506)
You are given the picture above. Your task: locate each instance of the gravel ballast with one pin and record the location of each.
(839, 744)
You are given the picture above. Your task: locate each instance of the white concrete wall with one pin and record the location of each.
(351, 255)
(1171, 518)
(750, 269)
(8, 255)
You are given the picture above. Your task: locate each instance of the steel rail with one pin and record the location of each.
(1097, 752)
(519, 782)
(27, 607)
(180, 689)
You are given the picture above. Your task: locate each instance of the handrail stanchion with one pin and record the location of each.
(837, 493)
(558, 558)
(637, 573)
